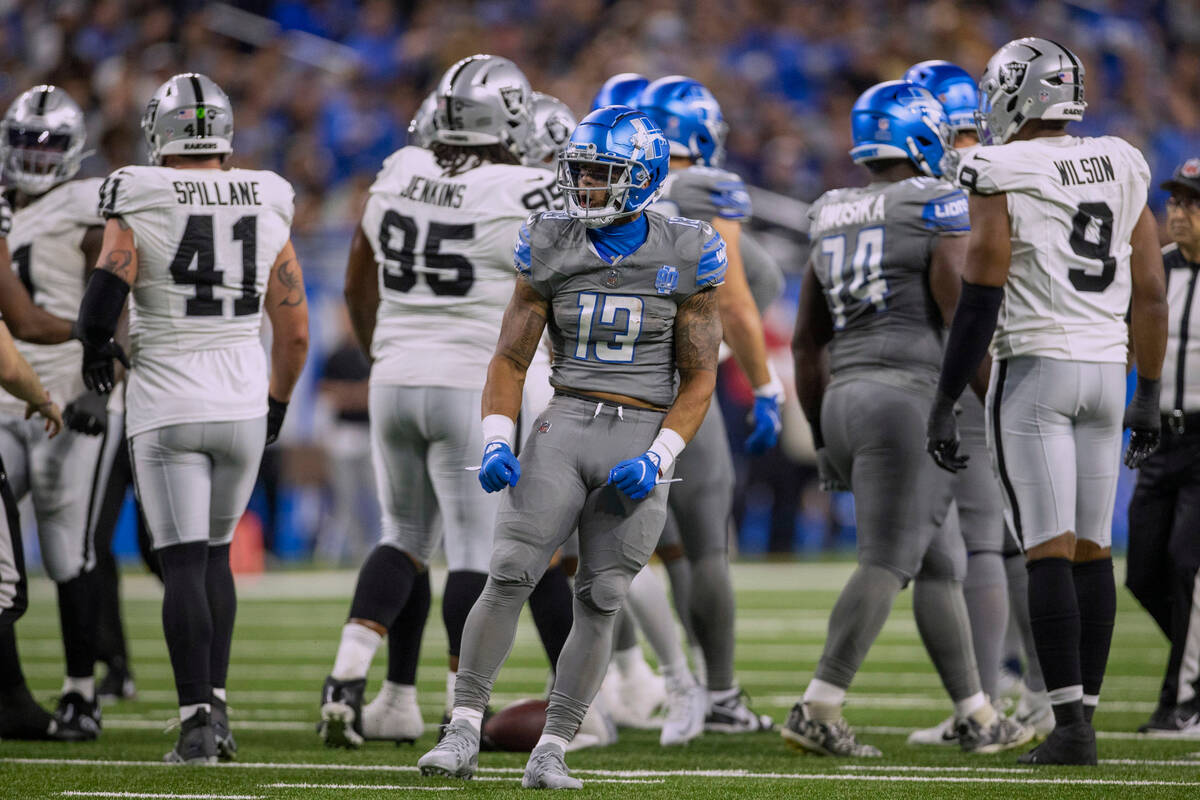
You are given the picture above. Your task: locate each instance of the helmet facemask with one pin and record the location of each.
(36, 159)
(597, 186)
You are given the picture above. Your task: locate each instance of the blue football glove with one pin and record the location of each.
(766, 425)
(635, 476)
(500, 467)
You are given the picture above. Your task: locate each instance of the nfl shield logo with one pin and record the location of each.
(544, 427)
(611, 279)
(667, 279)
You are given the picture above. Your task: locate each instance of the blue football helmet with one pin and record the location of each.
(954, 88)
(898, 119)
(621, 89)
(613, 165)
(689, 116)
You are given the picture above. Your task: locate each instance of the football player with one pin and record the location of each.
(701, 505)
(1061, 241)
(626, 295)
(881, 283)
(426, 284)
(54, 242)
(204, 250)
(990, 550)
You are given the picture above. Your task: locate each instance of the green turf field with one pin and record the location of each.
(287, 632)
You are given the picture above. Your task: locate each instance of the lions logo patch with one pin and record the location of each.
(1012, 75)
(667, 279)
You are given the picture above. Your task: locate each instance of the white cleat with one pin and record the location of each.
(687, 706)
(942, 735)
(392, 716)
(597, 729)
(634, 700)
(546, 769)
(1034, 711)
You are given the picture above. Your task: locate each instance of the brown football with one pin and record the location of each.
(517, 727)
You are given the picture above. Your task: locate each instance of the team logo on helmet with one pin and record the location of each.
(1190, 168)
(557, 130)
(1012, 75)
(514, 99)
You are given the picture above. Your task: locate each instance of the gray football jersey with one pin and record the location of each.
(612, 326)
(871, 248)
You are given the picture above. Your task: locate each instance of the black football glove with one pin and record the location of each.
(1144, 421)
(98, 372)
(941, 436)
(276, 411)
(87, 414)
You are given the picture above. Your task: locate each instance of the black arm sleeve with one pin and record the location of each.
(970, 334)
(101, 308)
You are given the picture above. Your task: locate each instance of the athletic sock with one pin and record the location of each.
(84, 687)
(462, 590)
(469, 715)
(451, 682)
(384, 584)
(405, 633)
(551, 739)
(1096, 592)
(550, 605)
(191, 709)
(824, 700)
(77, 615)
(11, 676)
(222, 607)
(1054, 615)
(969, 705)
(355, 652)
(187, 622)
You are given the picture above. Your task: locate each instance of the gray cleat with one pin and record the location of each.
(1004, 733)
(546, 769)
(802, 732)
(226, 746)
(456, 754)
(196, 743)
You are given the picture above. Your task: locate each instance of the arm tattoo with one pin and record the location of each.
(524, 321)
(288, 274)
(118, 263)
(698, 333)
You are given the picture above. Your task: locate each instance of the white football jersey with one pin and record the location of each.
(1073, 203)
(444, 246)
(46, 255)
(206, 241)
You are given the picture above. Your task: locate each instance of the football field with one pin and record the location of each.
(287, 630)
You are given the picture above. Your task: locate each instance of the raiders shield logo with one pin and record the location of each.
(514, 99)
(1012, 75)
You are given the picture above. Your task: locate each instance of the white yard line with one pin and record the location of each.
(164, 795)
(379, 786)
(899, 730)
(893, 768)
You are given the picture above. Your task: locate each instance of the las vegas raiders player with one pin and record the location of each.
(1061, 243)
(205, 251)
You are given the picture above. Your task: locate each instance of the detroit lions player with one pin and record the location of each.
(991, 586)
(204, 251)
(701, 505)
(881, 282)
(627, 297)
(621, 89)
(1062, 242)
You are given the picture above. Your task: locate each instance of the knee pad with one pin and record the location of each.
(603, 592)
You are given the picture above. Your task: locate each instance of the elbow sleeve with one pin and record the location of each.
(101, 308)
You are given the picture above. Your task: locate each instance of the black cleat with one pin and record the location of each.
(117, 684)
(226, 746)
(196, 744)
(1163, 719)
(78, 719)
(1073, 744)
(22, 719)
(341, 713)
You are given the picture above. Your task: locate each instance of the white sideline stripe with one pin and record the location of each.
(647, 773)
(382, 786)
(172, 796)
(886, 768)
(896, 730)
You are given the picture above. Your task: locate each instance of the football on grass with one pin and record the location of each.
(517, 727)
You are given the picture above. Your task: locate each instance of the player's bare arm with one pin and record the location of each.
(18, 379)
(287, 308)
(739, 315)
(946, 265)
(989, 246)
(810, 354)
(697, 343)
(520, 332)
(362, 290)
(26, 321)
(118, 251)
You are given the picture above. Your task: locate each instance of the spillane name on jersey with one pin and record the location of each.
(206, 242)
(1073, 203)
(444, 249)
(871, 248)
(612, 326)
(45, 245)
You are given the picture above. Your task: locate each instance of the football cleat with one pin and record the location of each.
(117, 683)
(597, 729)
(802, 732)
(1070, 744)
(197, 744)
(687, 706)
(732, 715)
(634, 700)
(78, 719)
(456, 754)
(1183, 722)
(22, 719)
(1033, 710)
(341, 713)
(485, 742)
(546, 769)
(1001, 733)
(392, 717)
(226, 746)
(943, 734)
(1162, 719)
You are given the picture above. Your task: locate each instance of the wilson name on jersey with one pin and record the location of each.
(871, 248)
(1072, 203)
(612, 325)
(444, 249)
(206, 242)
(45, 245)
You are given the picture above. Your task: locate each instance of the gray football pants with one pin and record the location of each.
(563, 486)
(194, 480)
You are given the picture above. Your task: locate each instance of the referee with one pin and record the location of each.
(1164, 515)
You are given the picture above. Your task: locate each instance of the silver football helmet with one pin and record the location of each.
(484, 100)
(422, 127)
(189, 115)
(553, 123)
(1030, 78)
(41, 140)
